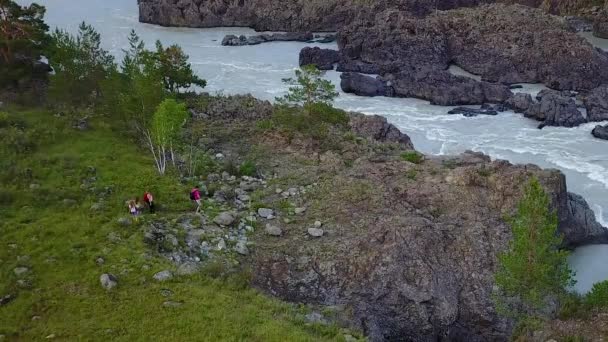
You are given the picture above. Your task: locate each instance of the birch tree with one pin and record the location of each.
(163, 132)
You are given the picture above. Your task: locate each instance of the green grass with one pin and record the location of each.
(61, 243)
(412, 157)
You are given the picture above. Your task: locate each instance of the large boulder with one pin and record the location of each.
(600, 132)
(441, 87)
(600, 29)
(363, 85)
(323, 59)
(520, 102)
(557, 110)
(579, 227)
(596, 103)
(376, 127)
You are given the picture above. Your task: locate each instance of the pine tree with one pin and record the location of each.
(534, 269)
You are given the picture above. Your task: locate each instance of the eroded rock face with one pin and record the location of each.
(278, 15)
(600, 29)
(596, 103)
(323, 59)
(415, 261)
(506, 44)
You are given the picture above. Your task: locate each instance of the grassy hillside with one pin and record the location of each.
(62, 192)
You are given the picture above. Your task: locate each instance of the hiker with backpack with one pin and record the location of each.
(195, 196)
(149, 201)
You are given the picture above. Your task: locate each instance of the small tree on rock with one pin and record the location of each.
(176, 70)
(162, 135)
(308, 88)
(534, 269)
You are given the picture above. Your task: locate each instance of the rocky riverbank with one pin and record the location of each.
(400, 245)
(411, 45)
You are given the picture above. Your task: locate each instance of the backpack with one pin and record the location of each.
(192, 195)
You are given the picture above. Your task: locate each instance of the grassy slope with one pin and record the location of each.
(61, 243)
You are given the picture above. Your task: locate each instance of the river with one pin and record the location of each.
(259, 69)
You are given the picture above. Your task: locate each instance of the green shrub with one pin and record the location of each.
(412, 157)
(598, 297)
(247, 168)
(412, 174)
(323, 112)
(265, 125)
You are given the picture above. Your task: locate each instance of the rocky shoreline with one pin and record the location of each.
(399, 249)
(410, 46)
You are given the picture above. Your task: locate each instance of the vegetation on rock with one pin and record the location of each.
(534, 271)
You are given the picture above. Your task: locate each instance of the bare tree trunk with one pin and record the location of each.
(157, 160)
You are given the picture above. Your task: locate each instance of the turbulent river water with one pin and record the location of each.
(259, 69)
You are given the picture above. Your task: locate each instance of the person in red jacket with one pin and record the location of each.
(149, 201)
(195, 196)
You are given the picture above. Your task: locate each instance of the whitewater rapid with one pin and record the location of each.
(259, 69)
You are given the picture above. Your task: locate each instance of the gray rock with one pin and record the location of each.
(188, 268)
(315, 232)
(172, 304)
(34, 186)
(266, 213)
(97, 207)
(108, 281)
(323, 59)
(299, 211)
(596, 103)
(124, 221)
(6, 299)
(273, 230)
(241, 248)
(315, 318)
(581, 227)
(221, 245)
(318, 224)
(21, 270)
(225, 218)
(68, 202)
(600, 132)
(163, 276)
(100, 261)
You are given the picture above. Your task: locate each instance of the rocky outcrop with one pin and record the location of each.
(596, 103)
(553, 108)
(437, 86)
(600, 29)
(377, 128)
(441, 87)
(505, 44)
(578, 224)
(412, 261)
(278, 15)
(472, 112)
(323, 59)
(600, 132)
(404, 249)
(556, 110)
(232, 40)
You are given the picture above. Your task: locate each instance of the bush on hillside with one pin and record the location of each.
(598, 297)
